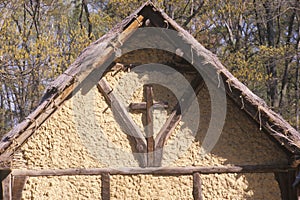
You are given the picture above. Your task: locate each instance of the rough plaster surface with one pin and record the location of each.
(64, 187)
(151, 187)
(59, 143)
(240, 186)
(241, 141)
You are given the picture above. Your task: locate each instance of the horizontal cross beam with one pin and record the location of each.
(172, 171)
(142, 105)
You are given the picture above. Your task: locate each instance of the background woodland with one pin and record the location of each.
(257, 40)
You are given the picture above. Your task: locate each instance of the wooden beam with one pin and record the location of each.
(138, 22)
(142, 105)
(174, 118)
(148, 106)
(285, 181)
(149, 125)
(163, 135)
(167, 129)
(197, 188)
(7, 187)
(197, 84)
(64, 87)
(18, 183)
(33, 121)
(125, 121)
(172, 171)
(105, 186)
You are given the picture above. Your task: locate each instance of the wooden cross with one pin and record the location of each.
(148, 106)
(151, 145)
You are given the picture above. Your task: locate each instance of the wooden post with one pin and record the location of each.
(148, 106)
(149, 125)
(105, 186)
(7, 187)
(285, 181)
(18, 183)
(197, 188)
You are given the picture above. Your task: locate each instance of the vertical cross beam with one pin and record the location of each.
(18, 183)
(197, 190)
(148, 106)
(7, 187)
(149, 125)
(105, 186)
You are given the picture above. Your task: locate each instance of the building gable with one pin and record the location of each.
(81, 128)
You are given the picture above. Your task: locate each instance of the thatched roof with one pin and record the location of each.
(96, 58)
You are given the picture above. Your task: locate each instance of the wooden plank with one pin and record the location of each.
(105, 186)
(124, 120)
(149, 125)
(18, 183)
(142, 105)
(172, 171)
(197, 186)
(285, 181)
(174, 118)
(6, 188)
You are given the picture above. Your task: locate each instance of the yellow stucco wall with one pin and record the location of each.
(151, 187)
(64, 187)
(83, 133)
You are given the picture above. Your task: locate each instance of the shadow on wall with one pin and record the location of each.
(241, 143)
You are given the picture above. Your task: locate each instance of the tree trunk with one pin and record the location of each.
(271, 63)
(288, 60)
(297, 94)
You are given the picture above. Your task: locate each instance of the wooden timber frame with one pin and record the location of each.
(151, 150)
(13, 181)
(97, 56)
